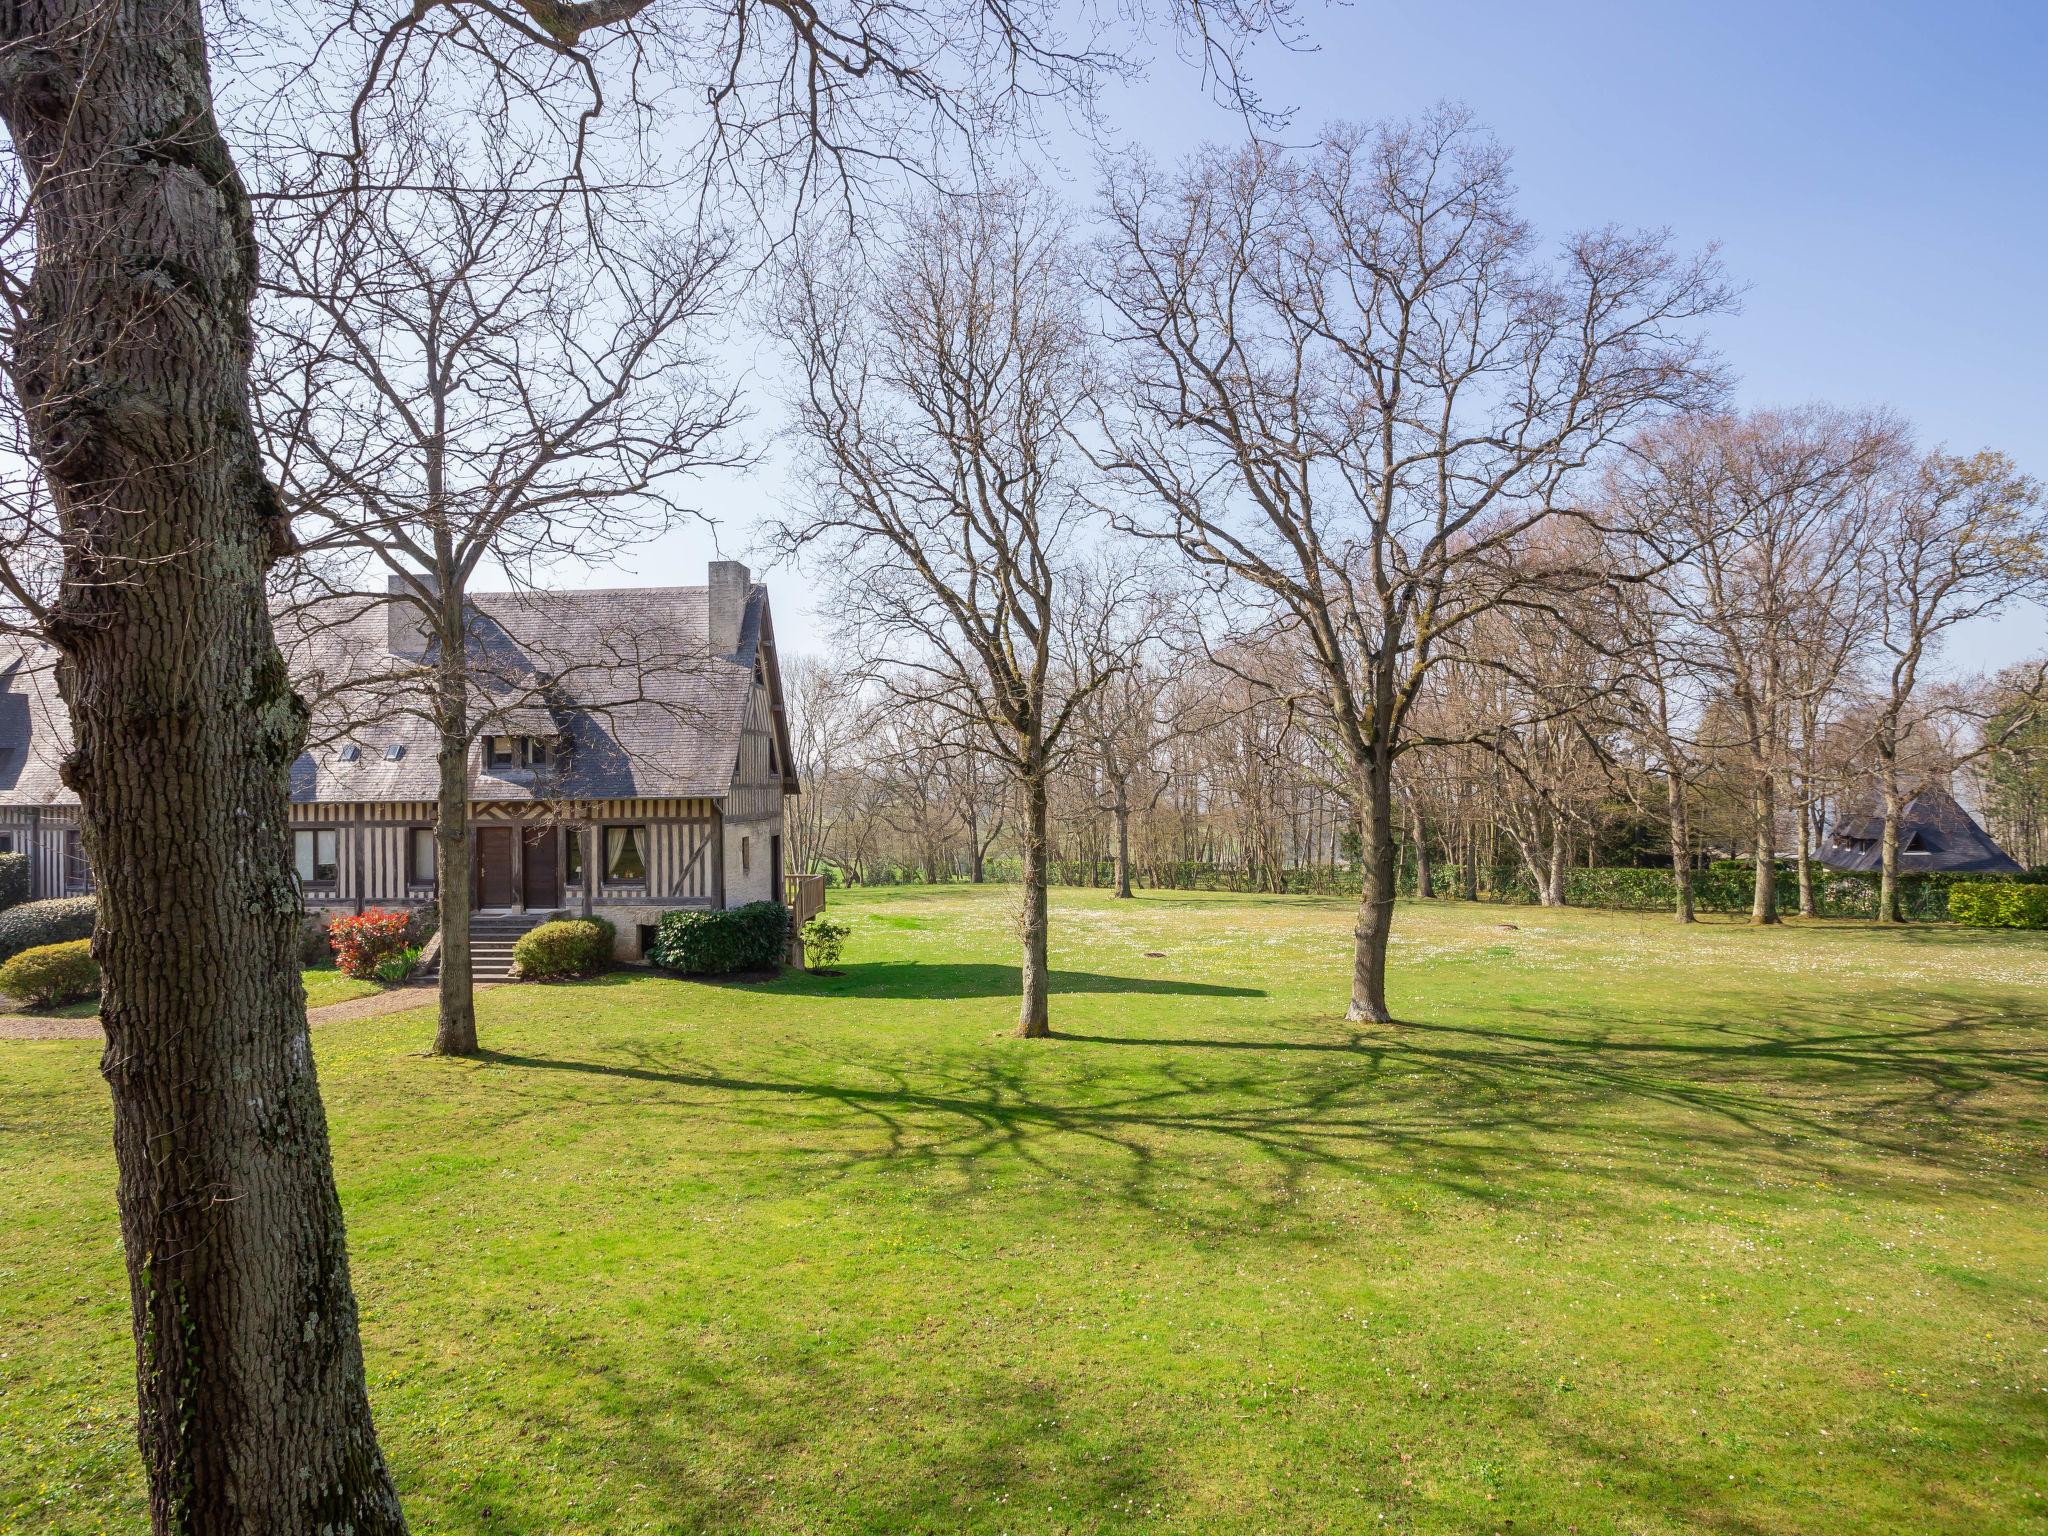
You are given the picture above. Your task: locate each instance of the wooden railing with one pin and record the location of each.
(804, 895)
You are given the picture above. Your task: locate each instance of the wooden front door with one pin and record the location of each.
(497, 872)
(540, 868)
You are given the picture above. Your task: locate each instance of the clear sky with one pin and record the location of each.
(1876, 174)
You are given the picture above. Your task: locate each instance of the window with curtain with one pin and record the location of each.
(420, 856)
(625, 858)
(316, 855)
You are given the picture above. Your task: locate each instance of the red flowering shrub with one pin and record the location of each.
(361, 943)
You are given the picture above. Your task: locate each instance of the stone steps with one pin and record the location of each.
(492, 939)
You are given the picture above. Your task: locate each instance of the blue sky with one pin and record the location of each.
(1876, 175)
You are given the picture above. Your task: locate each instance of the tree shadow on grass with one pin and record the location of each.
(716, 1441)
(909, 980)
(1539, 1107)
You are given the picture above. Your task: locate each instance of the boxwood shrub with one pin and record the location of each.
(749, 938)
(1998, 904)
(13, 880)
(35, 923)
(570, 947)
(49, 974)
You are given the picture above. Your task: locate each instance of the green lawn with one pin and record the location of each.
(327, 985)
(323, 986)
(1627, 1230)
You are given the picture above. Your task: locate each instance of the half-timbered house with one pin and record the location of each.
(631, 755)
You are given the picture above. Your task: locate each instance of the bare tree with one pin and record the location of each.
(1122, 734)
(1353, 385)
(1962, 538)
(479, 374)
(825, 732)
(1658, 705)
(1761, 516)
(934, 415)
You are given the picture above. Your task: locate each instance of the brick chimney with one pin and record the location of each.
(409, 628)
(725, 605)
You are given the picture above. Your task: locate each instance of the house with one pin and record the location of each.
(1935, 833)
(632, 755)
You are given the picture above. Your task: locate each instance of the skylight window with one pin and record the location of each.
(350, 753)
(394, 752)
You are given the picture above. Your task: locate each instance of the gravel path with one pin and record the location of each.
(29, 1026)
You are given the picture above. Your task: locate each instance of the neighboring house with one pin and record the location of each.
(1935, 833)
(633, 756)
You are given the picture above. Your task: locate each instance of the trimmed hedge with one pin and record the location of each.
(569, 947)
(1729, 885)
(35, 923)
(13, 880)
(51, 974)
(749, 938)
(1991, 904)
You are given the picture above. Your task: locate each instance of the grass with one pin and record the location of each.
(324, 985)
(1626, 1230)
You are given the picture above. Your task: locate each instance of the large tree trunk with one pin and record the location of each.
(1681, 847)
(455, 1033)
(1763, 907)
(1034, 1019)
(1376, 898)
(1805, 858)
(1888, 879)
(134, 375)
(1553, 875)
(1123, 845)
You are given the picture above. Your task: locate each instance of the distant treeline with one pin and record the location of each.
(1725, 885)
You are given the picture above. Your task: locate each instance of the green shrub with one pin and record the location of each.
(13, 880)
(824, 941)
(314, 950)
(395, 967)
(748, 938)
(569, 947)
(49, 974)
(35, 923)
(1993, 904)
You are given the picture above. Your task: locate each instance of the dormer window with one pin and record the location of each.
(505, 752)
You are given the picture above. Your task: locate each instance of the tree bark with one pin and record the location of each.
(1472, 863)
(1681, 847)
(1805, 859)
(1888, 879)
(1553, 878)
(1424, 888)
(1034, 1020)
(454, 886)
(1376, 899)
(1123, 845)
(133, 373)
(1763, 906)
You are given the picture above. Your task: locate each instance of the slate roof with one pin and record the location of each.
(1935, 833)
(624, 674)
